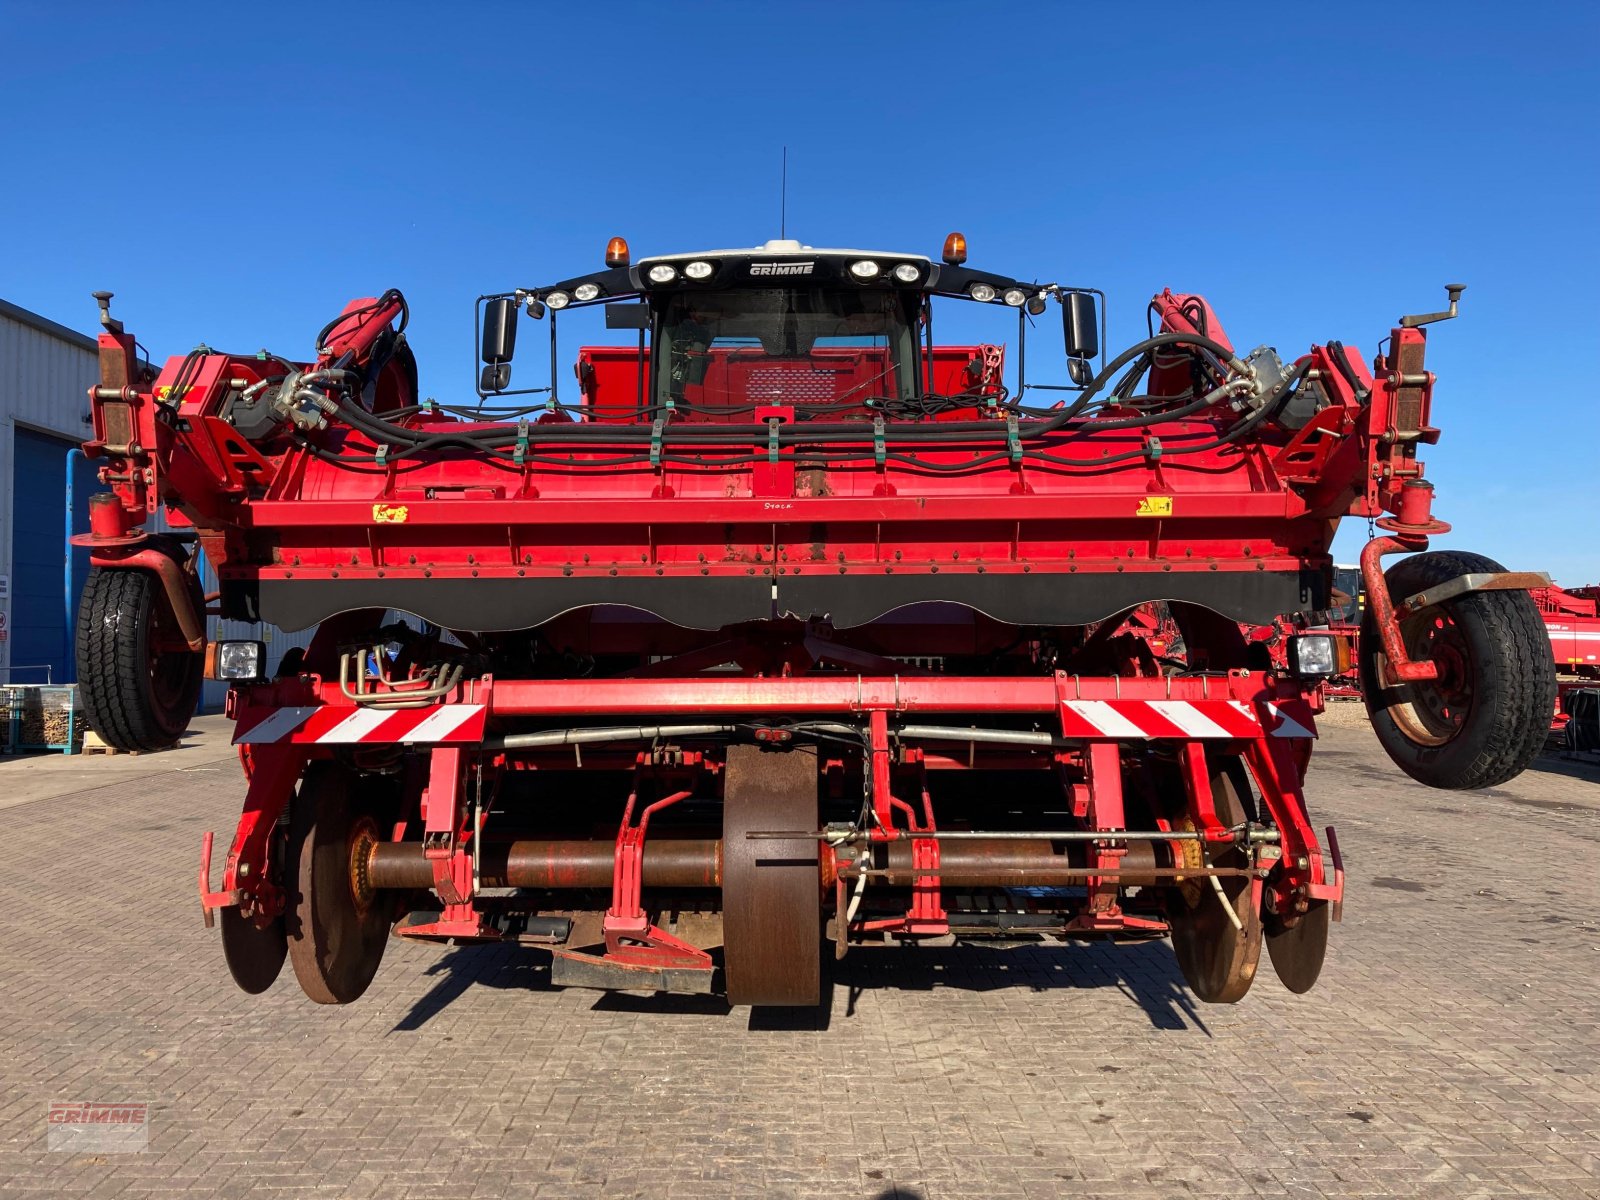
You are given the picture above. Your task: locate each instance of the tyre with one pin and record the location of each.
(1486, 716)
(139, 681)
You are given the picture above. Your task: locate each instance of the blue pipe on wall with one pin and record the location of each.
(69, 669)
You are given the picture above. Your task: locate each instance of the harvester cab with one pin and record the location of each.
(786, 629)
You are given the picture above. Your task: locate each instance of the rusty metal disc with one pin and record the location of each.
(1297, 952)
(337, 923)
(1217, 959)
(771, 902)
(254, 955)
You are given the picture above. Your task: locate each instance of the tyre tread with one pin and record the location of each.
(110, 652)
(1516, 684)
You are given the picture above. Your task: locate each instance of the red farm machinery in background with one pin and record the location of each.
(1572, 621)
(786, 629)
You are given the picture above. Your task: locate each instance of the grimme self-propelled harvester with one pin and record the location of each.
(787, 631)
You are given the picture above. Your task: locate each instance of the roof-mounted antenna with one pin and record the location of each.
(783, 197)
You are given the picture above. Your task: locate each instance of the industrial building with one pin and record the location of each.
(46, 370)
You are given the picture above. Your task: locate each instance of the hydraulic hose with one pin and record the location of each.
(386, 432)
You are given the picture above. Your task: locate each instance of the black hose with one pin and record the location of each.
(388, 433)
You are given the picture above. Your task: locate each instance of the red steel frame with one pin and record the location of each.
(1268, 504)
(1276, 756)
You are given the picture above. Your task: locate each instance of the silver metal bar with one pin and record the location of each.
(1059, 872)
(1461, 585)
(617, 733)
(1034, 835)
(1003, 737)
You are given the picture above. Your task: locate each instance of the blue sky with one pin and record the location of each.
(235, 173)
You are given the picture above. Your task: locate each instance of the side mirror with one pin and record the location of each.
(1080, 371)
(499, 342)
(1079, 326)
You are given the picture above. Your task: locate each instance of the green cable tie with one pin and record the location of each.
(1152, 449)
(1013, 442)
(655, 441)
(383, 454)
(522, 442)
(772, 439)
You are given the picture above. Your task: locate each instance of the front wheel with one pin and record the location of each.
(1485, 717)
(139, 680)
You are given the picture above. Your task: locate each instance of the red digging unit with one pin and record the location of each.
(1572, 619)
(786, 629)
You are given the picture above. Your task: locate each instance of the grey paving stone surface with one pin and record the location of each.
(1451, 1049)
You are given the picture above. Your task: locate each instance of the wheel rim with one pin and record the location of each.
(172, 666)
(771, 897)
(1217, 959)
(1432, 712)
(337, 932)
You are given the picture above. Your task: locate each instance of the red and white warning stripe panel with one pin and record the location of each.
(1186, 720)
(326, 725)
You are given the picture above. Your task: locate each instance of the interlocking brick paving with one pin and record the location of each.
(1451, 1049)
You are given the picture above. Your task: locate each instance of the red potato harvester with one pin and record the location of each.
(789, 630)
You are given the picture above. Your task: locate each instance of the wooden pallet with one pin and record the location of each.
(92, 744)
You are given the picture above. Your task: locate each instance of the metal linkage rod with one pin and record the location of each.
(1040, 835)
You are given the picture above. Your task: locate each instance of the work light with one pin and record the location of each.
(239, 660)
(1313, 655)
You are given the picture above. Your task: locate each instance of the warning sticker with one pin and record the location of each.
(1155, 506)
(390, 514)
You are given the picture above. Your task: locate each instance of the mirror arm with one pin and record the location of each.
(555, 398)
(1022, 354)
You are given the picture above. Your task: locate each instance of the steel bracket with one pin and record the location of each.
(1461, 585)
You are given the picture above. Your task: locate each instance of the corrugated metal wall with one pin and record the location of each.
(46, 371)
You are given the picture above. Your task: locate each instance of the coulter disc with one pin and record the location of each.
(338, 925)
(254, 955)
(1297, 953)
(1217, 959)
(771, 902)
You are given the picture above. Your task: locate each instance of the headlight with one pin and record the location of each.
(1015, 297)
(698, 270)
(557, 300)
(906, 273)
(662, 273)
(981, 292)
(1313, 655)
(586, 291)
(238, 660)
(865, 269)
